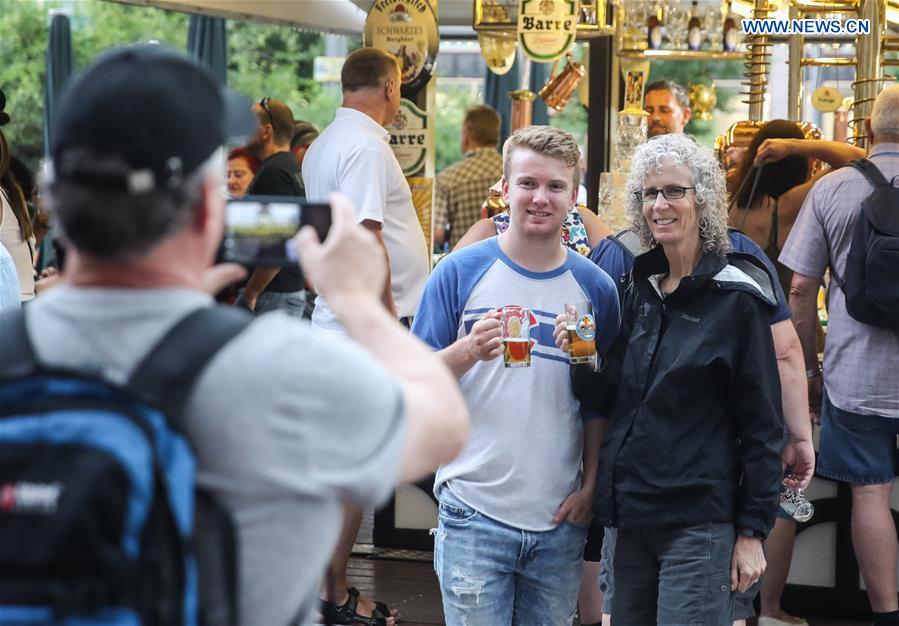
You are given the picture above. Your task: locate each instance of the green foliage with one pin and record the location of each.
(452, 99)
(263, 59)
(572, 118)
(96, 25)
(23, 41)
(276, 61)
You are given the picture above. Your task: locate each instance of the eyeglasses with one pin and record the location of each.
(264, 104)
(669, 193)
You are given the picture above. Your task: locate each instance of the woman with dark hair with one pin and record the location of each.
(242, 167)
(769, 197)
(16, 231)
(774, 181)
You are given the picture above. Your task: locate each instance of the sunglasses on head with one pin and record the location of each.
(264, 104)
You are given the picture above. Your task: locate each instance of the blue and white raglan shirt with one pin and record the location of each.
(524, 454)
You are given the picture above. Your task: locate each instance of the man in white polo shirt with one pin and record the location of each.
(353, 156)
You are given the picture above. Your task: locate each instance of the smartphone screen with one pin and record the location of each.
(257, 228)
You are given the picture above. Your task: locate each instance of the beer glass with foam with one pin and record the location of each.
(581, 326)
(516, 323)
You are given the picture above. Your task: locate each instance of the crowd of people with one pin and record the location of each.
(640, 488)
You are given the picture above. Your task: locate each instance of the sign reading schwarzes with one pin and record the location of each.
(408, 30)
(409, 137)
(546, 28)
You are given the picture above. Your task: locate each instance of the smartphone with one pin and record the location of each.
(258, 229)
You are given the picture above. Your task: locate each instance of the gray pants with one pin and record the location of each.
(674, 576)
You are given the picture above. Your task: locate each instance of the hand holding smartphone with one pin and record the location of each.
(259, 229)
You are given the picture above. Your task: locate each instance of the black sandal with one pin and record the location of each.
(339, 614)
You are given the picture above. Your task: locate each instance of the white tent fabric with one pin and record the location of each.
(340, 17)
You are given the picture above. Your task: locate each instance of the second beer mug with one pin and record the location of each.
(581, 327)
(516, 336)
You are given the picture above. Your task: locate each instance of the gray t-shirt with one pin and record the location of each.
(286, 424)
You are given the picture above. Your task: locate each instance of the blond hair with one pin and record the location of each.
(547, 141)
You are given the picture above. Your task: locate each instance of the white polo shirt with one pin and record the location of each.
(353, 156)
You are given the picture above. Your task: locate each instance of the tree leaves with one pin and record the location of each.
(263, 59)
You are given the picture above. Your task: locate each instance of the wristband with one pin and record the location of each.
(814, 372)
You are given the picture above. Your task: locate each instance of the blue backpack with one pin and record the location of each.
(100, 519)
(870, 279)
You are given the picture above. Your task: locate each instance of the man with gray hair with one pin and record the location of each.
(142, 210)
(857, 394)
(353, 156)
(668, 106)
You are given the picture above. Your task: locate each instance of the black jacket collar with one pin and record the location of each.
(708, 270)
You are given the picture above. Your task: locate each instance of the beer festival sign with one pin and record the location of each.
(408, 30)
(546, 28)
(409, 137)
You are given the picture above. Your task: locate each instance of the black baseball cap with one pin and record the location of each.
(158, 111)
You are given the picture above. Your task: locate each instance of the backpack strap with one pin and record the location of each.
(19, 358)
(772, 232)
(873, 175)
(870, 171)
(628, 240)
(168, 373)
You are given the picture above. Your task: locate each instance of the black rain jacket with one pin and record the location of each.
(692, 388)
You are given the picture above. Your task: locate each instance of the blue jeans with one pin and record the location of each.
(492, 574)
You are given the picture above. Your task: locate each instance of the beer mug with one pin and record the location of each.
(557, 91)
(516, 324)
(581, 327)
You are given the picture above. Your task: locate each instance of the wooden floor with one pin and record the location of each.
(411, 586)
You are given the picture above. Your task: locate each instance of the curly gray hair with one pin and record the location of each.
(708, 180)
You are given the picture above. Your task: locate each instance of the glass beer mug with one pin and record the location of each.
(581, 327)
(516, 325)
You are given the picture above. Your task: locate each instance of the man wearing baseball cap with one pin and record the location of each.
(136, 184)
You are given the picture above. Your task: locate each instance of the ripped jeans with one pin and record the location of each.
(492, 574)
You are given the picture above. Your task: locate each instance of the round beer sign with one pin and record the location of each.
(408, 30)
(827, 99)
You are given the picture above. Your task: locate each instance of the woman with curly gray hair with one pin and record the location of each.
(708, 188)
(689, 471)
